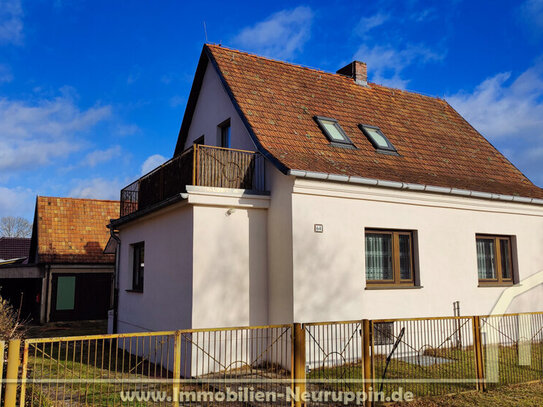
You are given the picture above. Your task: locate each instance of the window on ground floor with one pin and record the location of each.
(494, 260)
(138, 250)
(383, 333)
(389, 258)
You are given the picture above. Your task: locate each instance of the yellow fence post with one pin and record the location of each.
(478, 353)
(176, 368)
(366, 357)
(299, 362)
(2, 348)
(14, 351)
(23, 375)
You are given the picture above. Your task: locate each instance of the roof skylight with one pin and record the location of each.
(377, 138)
(333, 130)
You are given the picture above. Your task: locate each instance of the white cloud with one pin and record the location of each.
(101, 156)
(16, 202)
(97, 188)
(11, 22)
(5, 73)
(281, 35)
(509, 111)
(35, 133)
(500, 107)
(366, 24)
(386, 63)
(127, 129)
(423, 15)
(531, 13)
(152, 162)
(176, 100)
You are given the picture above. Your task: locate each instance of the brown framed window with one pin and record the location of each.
(138, 266)
(389, 258)
(494, 260)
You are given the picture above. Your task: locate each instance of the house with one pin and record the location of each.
(14, 248)
(297, 195)
(67, 275)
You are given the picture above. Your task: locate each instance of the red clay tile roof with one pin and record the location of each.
(73, 230)
(436, 145)
(14, 247)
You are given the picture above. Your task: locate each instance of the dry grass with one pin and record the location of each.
(520, 395)
(71, 328)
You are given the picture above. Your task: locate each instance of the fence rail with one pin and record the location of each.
(199, 165)
(425, 356)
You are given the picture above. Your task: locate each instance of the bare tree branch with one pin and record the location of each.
(11, 226)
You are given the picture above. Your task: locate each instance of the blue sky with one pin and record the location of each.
(92, 93)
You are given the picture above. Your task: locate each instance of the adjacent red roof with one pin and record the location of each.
(436, 145)
(14, 247)
(73, 230)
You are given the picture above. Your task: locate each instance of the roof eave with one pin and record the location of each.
(321, 176)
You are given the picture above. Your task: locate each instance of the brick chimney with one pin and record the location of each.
(356, 70)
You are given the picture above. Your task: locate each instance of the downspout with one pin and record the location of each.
(115, 277)
(49, 293)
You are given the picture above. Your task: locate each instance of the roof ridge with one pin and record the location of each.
(13, 237)
(274, 60)
(319, 70)
(78, 199)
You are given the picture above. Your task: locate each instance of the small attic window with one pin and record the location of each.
(332, 130)
(377, 138)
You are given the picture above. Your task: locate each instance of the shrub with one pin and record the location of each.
(11, 327)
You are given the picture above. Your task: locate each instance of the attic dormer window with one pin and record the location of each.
(332, 130)
(377, 138)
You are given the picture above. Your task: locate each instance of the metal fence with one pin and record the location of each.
(96, 370)
(512, 348)
(333, 356)
(425, 356)
(190, 367)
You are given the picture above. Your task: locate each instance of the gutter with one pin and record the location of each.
(115, 277)
(412, 187)
(114, 223)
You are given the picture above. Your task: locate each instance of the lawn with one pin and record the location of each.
(435, 372)
(520, 395)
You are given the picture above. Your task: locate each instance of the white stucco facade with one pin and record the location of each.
(329, 267)
(205, 264)
(212, 109)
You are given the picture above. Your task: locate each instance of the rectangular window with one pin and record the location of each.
(494, 260)
(138, 266)
(389, 257)
(383, 333)
(225, 140)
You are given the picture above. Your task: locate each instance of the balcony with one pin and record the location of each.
(201, 166)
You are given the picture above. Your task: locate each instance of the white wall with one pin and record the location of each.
(166, 301)
(213, 108)
(230, 265)
(280, 263)
(329, 267)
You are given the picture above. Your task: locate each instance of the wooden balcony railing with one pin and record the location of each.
(199, 165)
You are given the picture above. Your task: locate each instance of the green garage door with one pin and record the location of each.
(65, 293)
